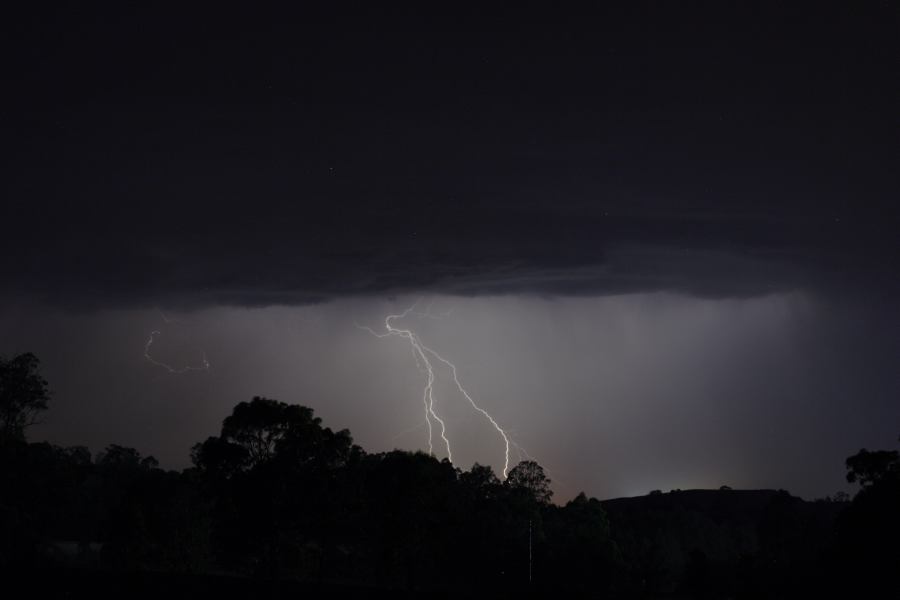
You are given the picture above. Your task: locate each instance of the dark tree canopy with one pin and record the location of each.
(480, 478)
(220, 457)
(259, 425)
(122, 457)
(264, 430)
(869, 467)
(869, 528)
(277, 496)
(529, 476)
(23, 395)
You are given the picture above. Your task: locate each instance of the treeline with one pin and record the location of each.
(279, 497)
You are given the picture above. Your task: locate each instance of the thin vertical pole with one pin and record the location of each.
(529, 551)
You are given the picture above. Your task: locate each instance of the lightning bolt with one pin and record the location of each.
(203, 366)
(424, 355)
(420, 353)
(485, 413)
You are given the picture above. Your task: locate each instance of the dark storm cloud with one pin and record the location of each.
(256, 159)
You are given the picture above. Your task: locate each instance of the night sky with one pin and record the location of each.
(659, 242)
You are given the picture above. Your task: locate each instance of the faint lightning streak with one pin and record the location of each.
(522, 451)
(407, 430)
(518, 451)
(204, 365)
(430, 315)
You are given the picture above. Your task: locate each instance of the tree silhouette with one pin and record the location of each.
(219, 457)
(869, 528)
(267, 429)
(274, 474)
(480, 480)
(869, 467)
(281, 497)
(260, 424)
(529, 476)
(122, 457)
(23, 395)
(579, 547)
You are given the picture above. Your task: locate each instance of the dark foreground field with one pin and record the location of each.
(420, 527)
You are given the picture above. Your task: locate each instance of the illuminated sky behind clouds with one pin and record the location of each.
(616, 395)
(668, 233)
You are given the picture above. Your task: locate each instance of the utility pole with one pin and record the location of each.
(529, 551)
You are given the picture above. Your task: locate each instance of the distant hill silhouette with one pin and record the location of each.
(693, 538)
